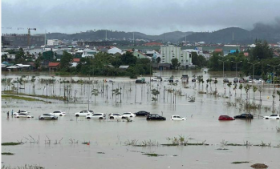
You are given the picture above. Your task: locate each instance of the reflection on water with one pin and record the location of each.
(109, 136)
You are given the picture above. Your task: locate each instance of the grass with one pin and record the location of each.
(7, 153)
(11, 143)
(152, 154)
(240, 162)
(23, 167)
(21, 98)
(12, 93)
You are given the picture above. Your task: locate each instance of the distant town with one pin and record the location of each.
(161, 52)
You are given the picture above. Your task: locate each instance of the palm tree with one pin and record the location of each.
(254, 90)
(234, 88)
(247, 88)
(215, 82)
(229, 85)
(95, 92)
(260, 90)
(240, 87)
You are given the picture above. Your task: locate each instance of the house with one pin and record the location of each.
(140, 55)
(114, 50)
(164, 66)
(75, 62)
(89, 53)
(53, 66)
(124, 67)
(218, 50)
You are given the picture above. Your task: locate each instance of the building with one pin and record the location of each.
(140, 55)
(114, 50)
(171, 52)
(53, 42)
(153, 44)
(21, 40)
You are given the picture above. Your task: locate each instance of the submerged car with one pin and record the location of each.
(23, 114)
(115, 116)
(273, 116)
(235, 80)
(48, 116)
(177, 118)
(58, 113)
(225, 117)
(244, 116)
(226, 80)
(155, 117)
(128, 115)
(96, 116)
(84, 113)
(142, 113)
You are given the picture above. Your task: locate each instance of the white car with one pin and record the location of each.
(177, 118)
(273, 116)
(84, 113)
(115, 116)
(96, 116)
(58, 113)
(128, 115)
(23, 114)
(48, 116)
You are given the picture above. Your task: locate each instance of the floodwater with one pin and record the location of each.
(108, 138)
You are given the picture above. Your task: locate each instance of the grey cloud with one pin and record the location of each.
(152, 17)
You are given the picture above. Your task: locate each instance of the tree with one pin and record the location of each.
(261, 51)
(20, 57)
(198, 60)
(65, 61)
(175, 63)
(158, 59)
(4, 57)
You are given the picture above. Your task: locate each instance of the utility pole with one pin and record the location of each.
(223, 67)
(253, 69)
(236, 67)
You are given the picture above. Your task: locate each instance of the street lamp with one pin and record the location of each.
(253, 68)
(236, 67)
(223, 67)
(273, 66)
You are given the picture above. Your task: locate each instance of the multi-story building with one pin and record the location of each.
(22, 40)
(53, 42)
(171, 52)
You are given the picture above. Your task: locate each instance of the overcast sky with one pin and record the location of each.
(146, 16)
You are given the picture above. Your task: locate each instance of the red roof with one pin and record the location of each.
(76, 60)
(153, 44)
(246, 54)
(54, 64)
(218, 50)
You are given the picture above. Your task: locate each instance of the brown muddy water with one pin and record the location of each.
(108, 138)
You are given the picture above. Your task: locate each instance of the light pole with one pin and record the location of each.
(253, 68)
(236, 67)
(223, 67)
(273, 66)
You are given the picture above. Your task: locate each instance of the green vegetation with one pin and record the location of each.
(11, 143)
(32, 95)
(20, 98)
(240, 162)
(23, 167)
(152, 154)
(260, 59)
(7, 153)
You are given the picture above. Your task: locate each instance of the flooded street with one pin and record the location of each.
(58, 144)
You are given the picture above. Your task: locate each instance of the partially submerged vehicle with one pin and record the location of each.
(273, 116)
(48, 116)
(155, 117)
(58, 113)
(177, 118)
(23, 114)
(84, 113)
(244, 116)
(99, 116)
(142, 113)
(225, 117)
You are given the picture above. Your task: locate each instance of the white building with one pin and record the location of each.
(170, 52)
(53, 42)
(89, 53)
(114, 50)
